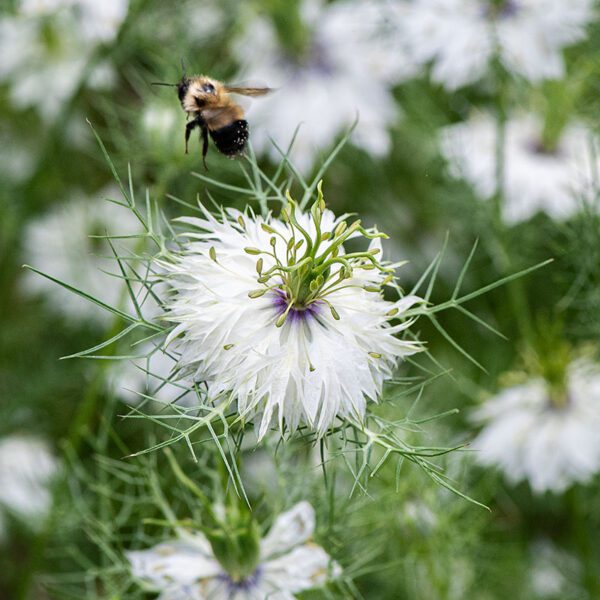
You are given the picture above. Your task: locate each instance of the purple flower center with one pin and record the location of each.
(505, 9)
(242, 585)
(296, 314)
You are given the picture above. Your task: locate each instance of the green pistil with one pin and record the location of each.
(306, 275)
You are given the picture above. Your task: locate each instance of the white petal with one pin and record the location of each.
(301, 569)
(290, 529)
(174, 564)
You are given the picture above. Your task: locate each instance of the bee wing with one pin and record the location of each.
(247, 90)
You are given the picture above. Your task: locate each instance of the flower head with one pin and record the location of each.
(288, 563)
(274, 314)
(26, 470)
(535, 178)
(544, 432)
(461, 37)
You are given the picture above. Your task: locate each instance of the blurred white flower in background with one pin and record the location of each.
(46, 48)
(460, 38)
(268, 314)
(556, 181)
(58, 243)
(162, 126)
(351, 60)
(97, 20)
(551, 440)
(150, 377)
(27, 468)
(553, 571)
(289, 563)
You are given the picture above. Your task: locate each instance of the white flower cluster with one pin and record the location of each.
(47, 45)
(460, 38)
(351, 60)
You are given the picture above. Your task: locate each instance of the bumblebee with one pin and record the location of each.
(209, 104)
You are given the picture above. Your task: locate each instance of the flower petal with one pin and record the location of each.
(290, 529)
(174, 564)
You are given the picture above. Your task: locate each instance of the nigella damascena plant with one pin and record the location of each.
(275, 316)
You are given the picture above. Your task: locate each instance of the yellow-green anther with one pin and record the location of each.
(311, 367)
(259, 266)
(263, 279)
(285, 217)
(320, 199)
(213, 253)
(326, 236)
(241, 221)
(335, 251)
(374, 355)
(254, 251)
(273, 241)
(368, 267)
(315, 212)
(354, 225)
(334, 313)
(374, 251)
(299, 244)
(267, 228)
(313, 285)
(290, 243)
(392, 313)
(257, 293)
(341, 227)
(228, 346)
(387, 280)
(281, 320)
(320, 280)
(372, 288)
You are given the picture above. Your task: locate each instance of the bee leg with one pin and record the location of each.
(188, 130)
(204, 145)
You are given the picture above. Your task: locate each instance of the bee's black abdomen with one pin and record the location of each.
(231, 140)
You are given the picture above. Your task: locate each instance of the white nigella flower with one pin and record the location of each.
(26, 470)
(349, 62)
(275, 316)
(60, 244)
(288, 563)
(461, 37)
(48, 45)
(535, 179)
(550, 438)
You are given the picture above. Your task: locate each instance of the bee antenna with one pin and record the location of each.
(161, 83)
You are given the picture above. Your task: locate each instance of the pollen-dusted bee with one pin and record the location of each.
(212, 109)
